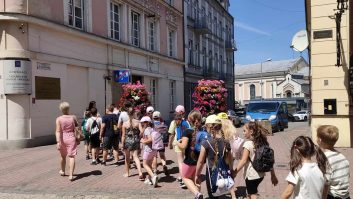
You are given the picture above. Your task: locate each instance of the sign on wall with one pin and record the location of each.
(122, 76)
(17, 77)
(47, 88)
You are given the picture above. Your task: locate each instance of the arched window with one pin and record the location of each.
(252, 91)
(289, 94)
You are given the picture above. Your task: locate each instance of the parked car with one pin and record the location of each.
(234, 118)
(241, 113)
(292, 118)
(301, 115)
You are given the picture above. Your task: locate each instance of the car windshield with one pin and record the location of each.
(301, 112)
(262, 107)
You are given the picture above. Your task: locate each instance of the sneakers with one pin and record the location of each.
(148, 182)
(98, 160)
(165, 170)
(87, 157)
(104, 163)
(199, 196)
(181, 183)
(154, 181)
(94, 162)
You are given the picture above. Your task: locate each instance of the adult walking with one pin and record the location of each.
(65, 138)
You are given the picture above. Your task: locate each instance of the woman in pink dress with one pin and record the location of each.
(65, 138)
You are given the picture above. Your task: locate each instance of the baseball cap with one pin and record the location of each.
(145, 119)
(149, 109)
(156, 114)
(213, 119)
(180, 108)
(222, 115)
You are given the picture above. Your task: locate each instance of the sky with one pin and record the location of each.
(264, 29)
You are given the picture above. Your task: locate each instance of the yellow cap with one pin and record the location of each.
(222, 115)
(213, 119)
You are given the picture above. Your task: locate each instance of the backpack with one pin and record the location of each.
(180, 129)
(84, 130)
(157, 136)
(237, 147)
(200, 136)
(95, 128)
(264, 159)
(220, 177)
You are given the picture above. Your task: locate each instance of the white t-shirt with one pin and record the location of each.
(249, 171)
(90, 122)
(124, 117)
(337, 174)
(308, 180)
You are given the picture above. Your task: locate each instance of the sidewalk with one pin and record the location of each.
(33, 173)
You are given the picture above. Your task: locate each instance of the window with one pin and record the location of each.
(221, 63)
(152, 35)
(172, 94)
(252, 91)
(215, 25)
(220, 29)
(153, 91)
(76, 13)
(171, 43)
(191, 55)
(216, 62)
(135, 29)
(114, 21)
(203, 56)
(210, 60)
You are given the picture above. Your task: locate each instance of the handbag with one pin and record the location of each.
(78, 133)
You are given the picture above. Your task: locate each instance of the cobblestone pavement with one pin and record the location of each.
(33, 173)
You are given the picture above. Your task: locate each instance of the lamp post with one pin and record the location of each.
(106, 78)
(261, 83)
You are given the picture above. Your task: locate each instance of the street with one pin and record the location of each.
(33, 173)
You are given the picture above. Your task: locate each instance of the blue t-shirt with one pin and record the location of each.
(181, 128)
(109, 120)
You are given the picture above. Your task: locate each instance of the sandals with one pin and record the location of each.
(62, 173)
(141, 178)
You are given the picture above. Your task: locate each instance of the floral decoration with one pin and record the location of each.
(210, 97)
(136, 94)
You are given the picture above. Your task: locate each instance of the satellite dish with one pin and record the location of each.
(300, 41)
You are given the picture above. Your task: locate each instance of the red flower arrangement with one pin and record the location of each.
(136, 94)
(210, 96)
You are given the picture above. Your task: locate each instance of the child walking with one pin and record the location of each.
(256, 138)
(187, 143)
(337, 174)
(148, 152)
(306, 177)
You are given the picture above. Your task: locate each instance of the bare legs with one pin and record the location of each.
(127, 162)
(72, 166)
(190, 184)
(62, 164)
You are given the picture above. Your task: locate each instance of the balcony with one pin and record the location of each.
(230, 45)
(201, 26)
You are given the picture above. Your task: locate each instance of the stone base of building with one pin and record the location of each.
(27, 143)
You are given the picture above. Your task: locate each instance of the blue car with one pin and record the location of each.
(276, 112)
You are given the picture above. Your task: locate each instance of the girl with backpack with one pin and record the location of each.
(131, 141)
(256, 138)
(187, 143)
(306, 177)
(86, 134)
(216, 152)
(148, 152)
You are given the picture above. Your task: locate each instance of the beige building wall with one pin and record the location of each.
(80, 58)
(328, 80)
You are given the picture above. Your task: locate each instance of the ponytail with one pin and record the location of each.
(295, 159)
(321, 159)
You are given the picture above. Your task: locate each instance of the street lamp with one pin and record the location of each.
(106, 78)
(261, 83)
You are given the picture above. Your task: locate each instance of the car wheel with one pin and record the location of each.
(305, 118)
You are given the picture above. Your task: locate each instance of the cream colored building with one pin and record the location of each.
(272, 79)
(54, 51)
(331, 99)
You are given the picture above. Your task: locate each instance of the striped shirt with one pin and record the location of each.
(337, 174)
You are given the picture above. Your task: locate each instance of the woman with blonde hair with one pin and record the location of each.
(65, 138)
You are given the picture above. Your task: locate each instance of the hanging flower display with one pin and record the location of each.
(210, 97)
(136, 94)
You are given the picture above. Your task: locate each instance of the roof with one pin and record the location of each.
(301, 81)
(267, 67)
(303, 71)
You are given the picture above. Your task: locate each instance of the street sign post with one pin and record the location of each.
(122, 76)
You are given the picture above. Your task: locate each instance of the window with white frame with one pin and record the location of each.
(153, 91)
(172, 94)
(171, 43)
(114, 21)
(76, 13)
(152, 36)
(135, 29)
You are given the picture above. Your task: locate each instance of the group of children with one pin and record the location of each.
(215, 143)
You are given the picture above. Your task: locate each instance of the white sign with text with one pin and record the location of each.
(17, 77)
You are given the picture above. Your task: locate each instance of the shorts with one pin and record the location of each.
(161, 150)
(188, 171)
(252, 185)
(94, 141)
(149, 155)
(111, 142)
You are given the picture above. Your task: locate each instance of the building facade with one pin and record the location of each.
(209, 45)
(329, 26)
(54, 51)
(272, 79)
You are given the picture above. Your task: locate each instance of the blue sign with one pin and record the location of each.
(17, 63)
(122, 76)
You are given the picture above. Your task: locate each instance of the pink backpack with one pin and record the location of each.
(237, 147)
(157, 137)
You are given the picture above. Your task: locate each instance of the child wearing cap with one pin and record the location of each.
(158, 121)
(148, 152)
